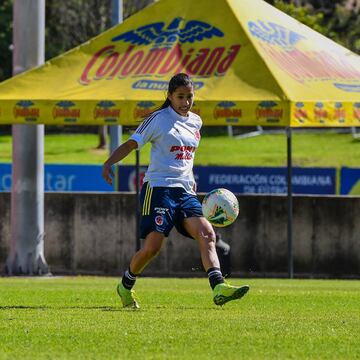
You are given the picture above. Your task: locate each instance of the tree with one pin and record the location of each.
(5, 39)
(304, 14)
(73, 22)
(339, 20)
(345, 22)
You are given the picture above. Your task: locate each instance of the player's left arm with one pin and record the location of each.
(120, 153)
(195, 184)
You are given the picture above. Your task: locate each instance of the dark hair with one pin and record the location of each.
(175, 82)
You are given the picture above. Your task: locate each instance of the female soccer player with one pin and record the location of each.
(168, 195)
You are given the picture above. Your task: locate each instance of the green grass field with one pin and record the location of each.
(328, 149)
(81, 318)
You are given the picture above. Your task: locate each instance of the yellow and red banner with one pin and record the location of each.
(251, 65)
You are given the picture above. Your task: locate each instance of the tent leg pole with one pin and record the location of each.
(116, 131)
(137, 187)
(26, 255)
(289, 205)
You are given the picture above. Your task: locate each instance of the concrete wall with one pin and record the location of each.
(95, 233)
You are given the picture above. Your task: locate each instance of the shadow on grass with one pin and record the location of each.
(105, 308)
(24, 307)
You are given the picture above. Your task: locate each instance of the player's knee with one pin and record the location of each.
(207, 235)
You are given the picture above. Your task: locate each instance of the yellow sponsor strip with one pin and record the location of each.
(260, 67)
(324, 114)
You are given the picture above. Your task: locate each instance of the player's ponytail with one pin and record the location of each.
(164, 105)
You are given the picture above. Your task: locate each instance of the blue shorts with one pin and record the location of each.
(166, 207)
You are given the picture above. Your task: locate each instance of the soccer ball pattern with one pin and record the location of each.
(220, 207)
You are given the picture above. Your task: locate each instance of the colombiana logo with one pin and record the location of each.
(227, 110)
(274, 34)
(269, 111)
(283, 47)
(160, 49)
(107, 111)
(27, 110)
(162, 36)
(66, 110)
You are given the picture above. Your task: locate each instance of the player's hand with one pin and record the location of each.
(107, 173)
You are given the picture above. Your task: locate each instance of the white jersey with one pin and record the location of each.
(174, 139)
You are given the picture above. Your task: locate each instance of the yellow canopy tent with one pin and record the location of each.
(251, 64)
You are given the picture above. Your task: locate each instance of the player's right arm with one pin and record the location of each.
(120, 153)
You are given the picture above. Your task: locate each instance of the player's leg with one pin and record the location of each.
(155, 226)
(201, 230)
(152, 246)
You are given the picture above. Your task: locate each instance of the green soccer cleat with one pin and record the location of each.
(225, 292)
(127, 297)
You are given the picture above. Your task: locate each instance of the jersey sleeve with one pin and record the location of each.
(146, 130)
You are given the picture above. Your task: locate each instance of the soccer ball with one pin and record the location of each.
(220, 207)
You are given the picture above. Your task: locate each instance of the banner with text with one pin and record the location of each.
(245, 180)
(63, 178)
(350, 181)
(250, 180)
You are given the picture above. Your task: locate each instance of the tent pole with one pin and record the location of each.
(115, 131)
(26, 255)
(137, 188)
(289, 204)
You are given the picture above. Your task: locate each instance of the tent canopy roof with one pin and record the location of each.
(251, 65)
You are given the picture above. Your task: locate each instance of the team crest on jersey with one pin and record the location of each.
(197, 135)
(159, 220)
